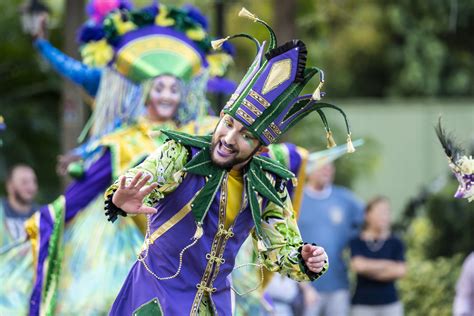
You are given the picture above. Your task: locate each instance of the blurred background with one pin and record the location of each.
(393, 66)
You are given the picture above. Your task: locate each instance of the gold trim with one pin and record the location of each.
(251, 107)
(210, 264)
(299, 189)
(275, 128)
(204, 280)
(245, 116)
(268, 136)
(170, 223)
(32, 230)
(279, 73)
(216, 256)
(259, 99)
(176, 218)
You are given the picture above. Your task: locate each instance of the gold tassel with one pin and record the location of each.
(350, 146)
(317, 93)
(218, 43)
(330, 140)
(199, 232)
(247, 14)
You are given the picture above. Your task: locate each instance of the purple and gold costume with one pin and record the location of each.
(177, 266)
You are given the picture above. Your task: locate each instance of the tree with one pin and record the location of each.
(29, 98)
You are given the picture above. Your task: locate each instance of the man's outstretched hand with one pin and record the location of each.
(130, 197)
(314, 257)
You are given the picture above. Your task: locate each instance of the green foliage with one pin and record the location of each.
(444, 227)
(452, 220)
(437, 241)
(418, 238)
(29, 103)
(377, 48)
(346, 41)
(429, 50)
(428, 288)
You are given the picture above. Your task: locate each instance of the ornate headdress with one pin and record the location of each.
(267, 100)
(155, 40)
(461, 165)
(134, 46)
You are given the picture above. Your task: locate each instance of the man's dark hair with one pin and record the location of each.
(12, 169)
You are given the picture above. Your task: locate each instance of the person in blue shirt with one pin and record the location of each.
(19, 204)
(378, 259)
(332, 215)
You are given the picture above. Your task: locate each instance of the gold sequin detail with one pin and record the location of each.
(268, 135)
(252, 108)
(259, 99)
(245, 116)
(275, 128)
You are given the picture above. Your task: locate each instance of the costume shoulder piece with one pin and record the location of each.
(255, 175)
(204, 143)
(461, 164)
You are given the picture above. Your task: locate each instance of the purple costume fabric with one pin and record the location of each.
(78, 195)
(293, 164)
(178, 295)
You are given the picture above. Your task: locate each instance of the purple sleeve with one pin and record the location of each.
(292, 161)
(294, 164)
(96, 179)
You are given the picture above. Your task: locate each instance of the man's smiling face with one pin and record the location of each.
(232, 144)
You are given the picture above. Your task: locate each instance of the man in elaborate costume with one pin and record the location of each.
(205, 194)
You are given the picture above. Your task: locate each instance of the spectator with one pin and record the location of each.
(464, 299)
(331, 215)
(378, 259)
(19, 205)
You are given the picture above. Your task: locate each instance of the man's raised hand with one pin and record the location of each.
(130, 197)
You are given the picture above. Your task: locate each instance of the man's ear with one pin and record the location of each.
(221, 115)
